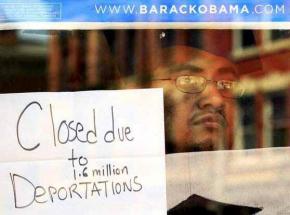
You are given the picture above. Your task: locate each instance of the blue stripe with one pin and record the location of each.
(144, 11)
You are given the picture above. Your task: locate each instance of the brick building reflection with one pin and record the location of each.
(98, 59)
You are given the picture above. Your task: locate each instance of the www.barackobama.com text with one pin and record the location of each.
(186, 9)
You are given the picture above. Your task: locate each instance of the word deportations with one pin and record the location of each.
(78, 190)
(69, 131)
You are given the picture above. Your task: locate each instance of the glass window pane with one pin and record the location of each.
(248, 38)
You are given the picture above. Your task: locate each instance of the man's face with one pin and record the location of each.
(199, 120)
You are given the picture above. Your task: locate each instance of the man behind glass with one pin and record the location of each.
(199, 96)
(200, 90)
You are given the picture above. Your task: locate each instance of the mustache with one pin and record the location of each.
(211, 114)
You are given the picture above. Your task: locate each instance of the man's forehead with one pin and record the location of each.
(186, 59)
(184, 54)
(191, 69)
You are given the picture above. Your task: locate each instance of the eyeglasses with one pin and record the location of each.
(196, 84)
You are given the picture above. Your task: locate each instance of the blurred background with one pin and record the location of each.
(34, 61)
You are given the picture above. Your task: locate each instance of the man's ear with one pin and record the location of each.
(168, 113)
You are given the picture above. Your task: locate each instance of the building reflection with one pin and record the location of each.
(111, 59)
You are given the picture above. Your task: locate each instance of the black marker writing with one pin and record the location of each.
(123, 132)
(78, 190)
(82, 161)
(69, 131)
(17, 127)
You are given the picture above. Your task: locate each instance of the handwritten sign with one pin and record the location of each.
(84, 152)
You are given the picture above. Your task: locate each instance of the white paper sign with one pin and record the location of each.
(98, 152)
(257, 178)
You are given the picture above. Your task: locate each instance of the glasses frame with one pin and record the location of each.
(206, 83)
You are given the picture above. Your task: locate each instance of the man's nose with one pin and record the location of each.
(211, 97)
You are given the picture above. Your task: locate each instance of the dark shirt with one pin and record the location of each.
(199, 205)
